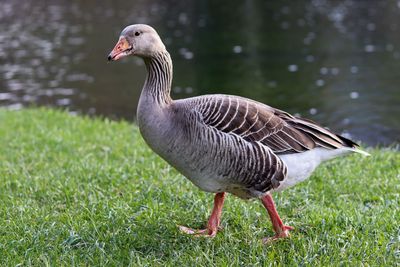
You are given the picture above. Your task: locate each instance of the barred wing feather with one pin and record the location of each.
(256, 122)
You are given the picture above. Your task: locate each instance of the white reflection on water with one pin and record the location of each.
(6, 96)
(354, 95)
(354, 69)
(320, 82)
(237, 49)
(369, 48)
(293, 68)
(40, 47)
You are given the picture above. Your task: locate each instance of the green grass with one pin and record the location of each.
(82, 191)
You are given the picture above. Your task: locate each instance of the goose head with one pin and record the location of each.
(139, 40)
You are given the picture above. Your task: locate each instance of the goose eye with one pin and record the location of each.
(137, 33)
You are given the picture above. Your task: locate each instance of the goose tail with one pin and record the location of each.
(357, 150)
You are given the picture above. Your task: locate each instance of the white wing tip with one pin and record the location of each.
(361, 152)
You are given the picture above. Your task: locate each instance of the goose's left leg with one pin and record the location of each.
(213, 221)
(280, 229)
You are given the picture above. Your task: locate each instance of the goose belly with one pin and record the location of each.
(301, 165)
(199, 165)
(201, 171)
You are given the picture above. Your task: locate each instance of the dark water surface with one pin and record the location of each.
(336, 62)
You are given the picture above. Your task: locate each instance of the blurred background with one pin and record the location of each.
(336, 62)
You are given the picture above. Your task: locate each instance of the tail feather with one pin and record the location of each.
(348, 142)
(357, 150)
(353, 146)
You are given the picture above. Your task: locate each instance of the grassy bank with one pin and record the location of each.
(80, 191)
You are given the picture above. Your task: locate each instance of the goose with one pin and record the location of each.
(225, 143)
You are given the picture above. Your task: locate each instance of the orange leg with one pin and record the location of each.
(280, 229)
(213, 221)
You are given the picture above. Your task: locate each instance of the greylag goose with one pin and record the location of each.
(224, 143)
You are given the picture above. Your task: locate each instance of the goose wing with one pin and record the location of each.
(256, 122)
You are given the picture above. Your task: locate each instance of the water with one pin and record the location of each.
(336, 62)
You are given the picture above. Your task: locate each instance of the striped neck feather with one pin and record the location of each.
(159, 77)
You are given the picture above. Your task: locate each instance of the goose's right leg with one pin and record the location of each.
(281, 230)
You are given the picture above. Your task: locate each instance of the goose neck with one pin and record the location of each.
(159, 78)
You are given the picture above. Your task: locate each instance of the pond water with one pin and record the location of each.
(336, 62)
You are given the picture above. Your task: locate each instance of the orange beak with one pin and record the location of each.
(121, 49)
